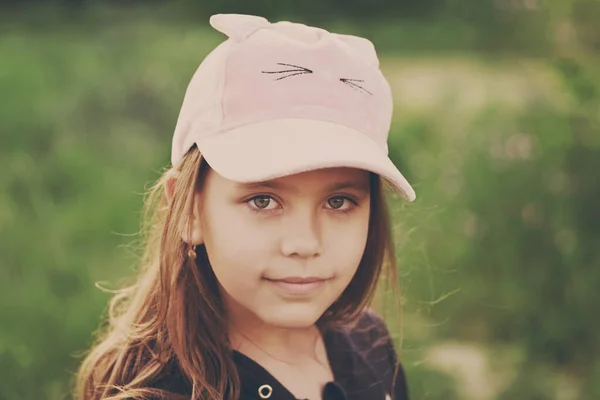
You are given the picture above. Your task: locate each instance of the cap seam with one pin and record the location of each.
(236, 126)
(224, 83)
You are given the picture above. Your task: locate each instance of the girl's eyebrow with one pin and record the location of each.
(363, 187)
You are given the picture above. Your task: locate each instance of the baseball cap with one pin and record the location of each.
(276, 99)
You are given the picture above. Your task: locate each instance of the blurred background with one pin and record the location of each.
(497, 125)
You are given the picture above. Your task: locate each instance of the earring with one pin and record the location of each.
(192, 253)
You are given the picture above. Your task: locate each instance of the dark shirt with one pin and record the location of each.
(362, 360)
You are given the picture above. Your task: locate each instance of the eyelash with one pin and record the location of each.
(254, 210)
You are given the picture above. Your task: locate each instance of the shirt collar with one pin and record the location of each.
(354, 378)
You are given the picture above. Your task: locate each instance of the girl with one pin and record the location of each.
(268, 235)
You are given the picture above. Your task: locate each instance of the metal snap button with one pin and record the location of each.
(265, 391)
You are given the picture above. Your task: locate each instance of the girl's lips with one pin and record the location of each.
(297, 286)
(297, 279)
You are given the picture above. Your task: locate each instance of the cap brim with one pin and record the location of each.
(274, 148)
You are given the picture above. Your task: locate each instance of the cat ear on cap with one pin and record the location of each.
(238, 26)
(362, 46)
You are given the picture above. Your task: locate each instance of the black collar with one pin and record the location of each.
(354, 378)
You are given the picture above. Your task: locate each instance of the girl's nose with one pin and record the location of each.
(301, 237)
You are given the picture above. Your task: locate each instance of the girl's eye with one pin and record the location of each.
(266, 203)
(336, 202)
(259, 203)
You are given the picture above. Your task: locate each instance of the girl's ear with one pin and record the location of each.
(192, 233)
(191, 228)
(170, 185)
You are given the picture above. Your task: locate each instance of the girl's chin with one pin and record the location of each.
(292, 317)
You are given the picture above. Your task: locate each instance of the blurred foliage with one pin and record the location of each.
(516, 243)
(500, 250)
(490, 26)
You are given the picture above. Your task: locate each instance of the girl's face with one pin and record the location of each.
(261, 238)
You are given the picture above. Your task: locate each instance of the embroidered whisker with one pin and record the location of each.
(287, 76)
(350, 82)
(279, 72)
(296, 66)
(299, 71)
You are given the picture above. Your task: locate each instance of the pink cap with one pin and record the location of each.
(281, 98)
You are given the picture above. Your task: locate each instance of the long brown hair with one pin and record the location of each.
(172, 314)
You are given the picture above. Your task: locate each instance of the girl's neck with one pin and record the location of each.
(286, 345)
(297, 358)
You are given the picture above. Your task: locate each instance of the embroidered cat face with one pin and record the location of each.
(294, 70)
(289, 70)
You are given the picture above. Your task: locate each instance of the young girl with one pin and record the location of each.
(268, 235)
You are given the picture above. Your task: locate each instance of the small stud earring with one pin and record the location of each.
(192, 253)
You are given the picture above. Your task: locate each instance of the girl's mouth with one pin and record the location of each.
(297, 285)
